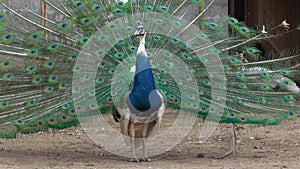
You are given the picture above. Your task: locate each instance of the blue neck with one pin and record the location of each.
(143, 95)
(143, 74)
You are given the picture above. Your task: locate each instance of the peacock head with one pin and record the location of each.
(140, 32)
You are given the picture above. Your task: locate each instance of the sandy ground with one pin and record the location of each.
(258, 147)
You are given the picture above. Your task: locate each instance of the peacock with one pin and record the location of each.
(79, 59)
(142, 108)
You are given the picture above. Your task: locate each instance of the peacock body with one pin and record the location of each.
(55, 70)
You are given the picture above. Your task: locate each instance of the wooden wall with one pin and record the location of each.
(271, 12)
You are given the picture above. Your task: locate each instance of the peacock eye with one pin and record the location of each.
(113, 26)
(118, 11)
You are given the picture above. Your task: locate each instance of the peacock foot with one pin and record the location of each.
(139, 160)
(146, 159)
(227, 154)
(134, 160)
(223, 156)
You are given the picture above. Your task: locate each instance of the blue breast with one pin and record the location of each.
(144, 96)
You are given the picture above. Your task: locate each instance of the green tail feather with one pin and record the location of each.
(37, 65)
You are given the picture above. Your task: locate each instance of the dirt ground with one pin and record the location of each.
(258, 147)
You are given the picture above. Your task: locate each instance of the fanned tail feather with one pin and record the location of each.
(39, 55)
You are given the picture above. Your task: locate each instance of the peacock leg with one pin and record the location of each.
(232, 151)
(233, 146)
(145, 128)
(233, 138)
(134, 159)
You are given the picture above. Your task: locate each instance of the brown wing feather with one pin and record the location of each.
(141, 130)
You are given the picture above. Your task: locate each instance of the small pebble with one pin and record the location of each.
(200, 155)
